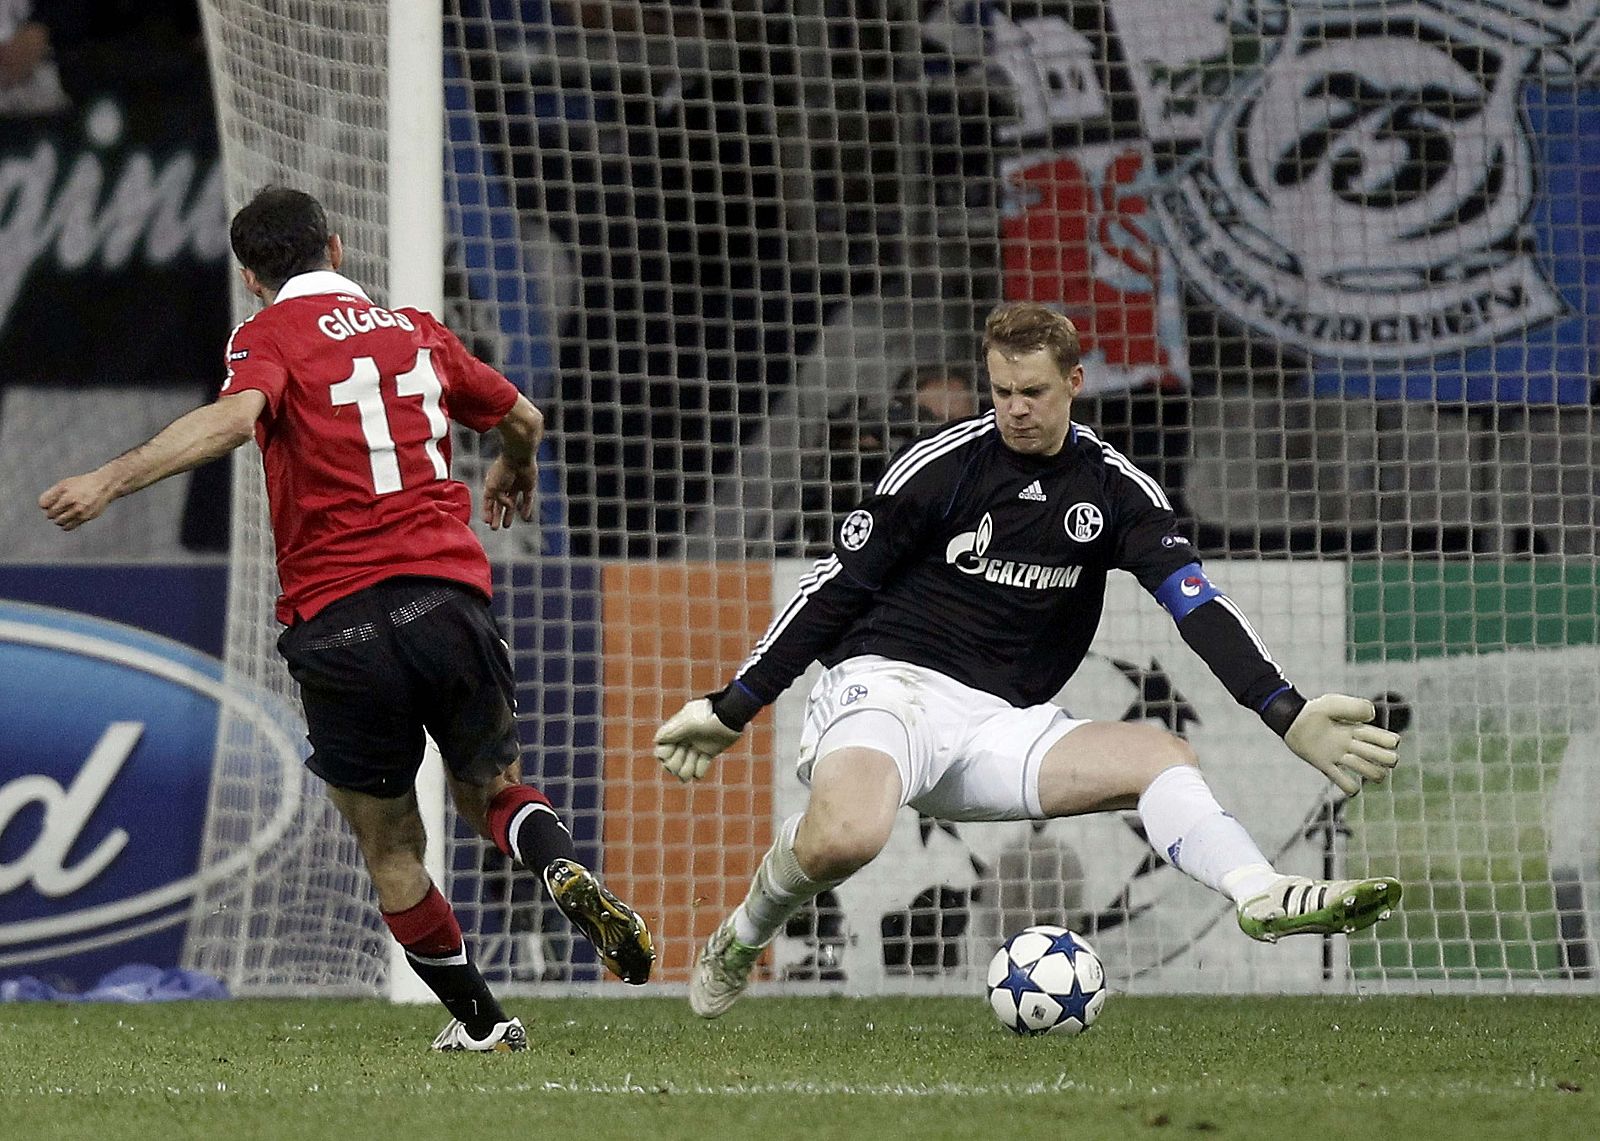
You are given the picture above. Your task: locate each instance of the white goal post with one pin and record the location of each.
(347, 104)
(416, 277)
(1335, 268)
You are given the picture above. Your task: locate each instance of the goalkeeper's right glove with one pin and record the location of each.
(689, 739)
(1335, 735)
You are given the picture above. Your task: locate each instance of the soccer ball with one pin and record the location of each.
(1046, 980)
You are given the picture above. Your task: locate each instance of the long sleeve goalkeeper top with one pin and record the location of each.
(990, 567)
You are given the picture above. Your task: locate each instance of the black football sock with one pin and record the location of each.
(438, 954)
(525, 826)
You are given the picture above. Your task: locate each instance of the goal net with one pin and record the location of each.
(1337, 270)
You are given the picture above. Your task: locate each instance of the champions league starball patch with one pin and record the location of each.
(855, 530)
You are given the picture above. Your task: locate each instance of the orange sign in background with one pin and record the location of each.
(682, 854)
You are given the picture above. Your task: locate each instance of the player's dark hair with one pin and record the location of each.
(279, 233)
(1026, 327)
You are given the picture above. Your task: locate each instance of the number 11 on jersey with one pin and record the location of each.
(364, 388)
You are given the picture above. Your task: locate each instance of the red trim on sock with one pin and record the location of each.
(505, 805)
(429, 928)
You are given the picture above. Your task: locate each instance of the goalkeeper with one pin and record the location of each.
(385, 586)
(964, 592)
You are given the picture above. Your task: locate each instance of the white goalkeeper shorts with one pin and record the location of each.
(963, 754)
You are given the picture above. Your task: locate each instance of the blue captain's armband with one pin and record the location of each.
(1186, 588)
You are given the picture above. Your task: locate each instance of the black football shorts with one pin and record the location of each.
(405, 655)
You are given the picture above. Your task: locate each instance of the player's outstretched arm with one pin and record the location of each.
(1335, 735)
(194, 438)
(690, 738)
(874, 540)
(511, 481)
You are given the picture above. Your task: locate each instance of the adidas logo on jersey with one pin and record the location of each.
(1033, 492)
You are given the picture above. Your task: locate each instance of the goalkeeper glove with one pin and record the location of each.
(1334, 734)
(691, 737)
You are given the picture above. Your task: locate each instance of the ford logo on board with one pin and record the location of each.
(108, 740)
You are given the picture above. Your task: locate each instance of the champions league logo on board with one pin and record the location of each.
(1363, 180)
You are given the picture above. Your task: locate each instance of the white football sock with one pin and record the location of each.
(780, 888)
(1184, 823)
(1252, 880)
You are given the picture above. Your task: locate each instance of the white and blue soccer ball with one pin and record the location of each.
(1046, 980)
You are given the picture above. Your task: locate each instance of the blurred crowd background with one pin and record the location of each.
(742, 251)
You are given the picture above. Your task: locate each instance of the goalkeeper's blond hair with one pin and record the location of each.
(1022, 327)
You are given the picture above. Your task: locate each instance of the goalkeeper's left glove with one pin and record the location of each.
(691, 737)
(1335, 735)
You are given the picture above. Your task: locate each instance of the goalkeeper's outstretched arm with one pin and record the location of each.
(826, 603)
(1333, 733)
(209, 432)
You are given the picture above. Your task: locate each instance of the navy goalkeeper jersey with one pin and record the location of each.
(990, 567)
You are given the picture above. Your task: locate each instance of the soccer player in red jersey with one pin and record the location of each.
(385, 587)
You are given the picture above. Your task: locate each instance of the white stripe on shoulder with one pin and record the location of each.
(924, 452)
(1115, 459)
(239, 326)
(1261, 647)
(823, 570)
(227, 353)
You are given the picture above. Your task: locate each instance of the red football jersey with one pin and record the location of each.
(356, 439)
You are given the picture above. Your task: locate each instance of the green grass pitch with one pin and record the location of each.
(1387, 1069)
